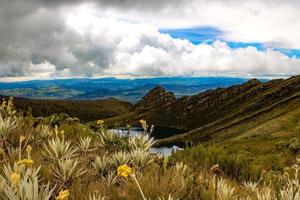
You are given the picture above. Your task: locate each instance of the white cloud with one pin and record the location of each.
(243, 21)
(87, 40)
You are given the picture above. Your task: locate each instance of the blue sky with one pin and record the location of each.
(208, 35)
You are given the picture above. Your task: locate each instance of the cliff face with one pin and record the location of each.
(163, 109)
(155, 102)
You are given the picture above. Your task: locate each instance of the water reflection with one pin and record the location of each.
(163, 150)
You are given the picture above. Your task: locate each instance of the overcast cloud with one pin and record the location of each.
(78, 38)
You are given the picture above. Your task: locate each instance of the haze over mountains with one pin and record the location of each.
(130, 90)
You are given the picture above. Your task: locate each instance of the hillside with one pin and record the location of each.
(85, 110)
(252, 104)
(210, 114)
(255, 123)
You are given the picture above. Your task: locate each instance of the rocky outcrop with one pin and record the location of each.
(163, 109)
(155, 102)
(211, 98)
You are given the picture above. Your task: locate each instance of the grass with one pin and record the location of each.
(251, 165)
(255, 143)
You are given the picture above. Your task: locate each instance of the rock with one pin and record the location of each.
(157, 100)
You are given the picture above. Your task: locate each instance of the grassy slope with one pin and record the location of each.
(258, 104)
(85, 110)
(252, 144)
(255, 138)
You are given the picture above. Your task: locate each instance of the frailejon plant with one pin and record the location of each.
(8, 126)
(95, 197)
(21, 182)
(101, 165)
(110, 179)
(119, 158)
(59, 149)
(84, 144)
(67, 170)
(45, 131)
(140, 158)
(225, 191)
(143, 142)
(106, 138)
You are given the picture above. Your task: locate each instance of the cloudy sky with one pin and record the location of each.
(45, 39)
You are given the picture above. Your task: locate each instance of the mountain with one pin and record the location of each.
(218, 114)
(162, 108)
(256, 123)
(85, 110)
(224, 112)
(212, 115)
(131, 90)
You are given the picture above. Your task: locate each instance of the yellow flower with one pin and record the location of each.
(124, 170)
(25, 162)
(15, 178)
(22, 138)
(63, 195)
(100, 122)
(143, 122)
(28, 149)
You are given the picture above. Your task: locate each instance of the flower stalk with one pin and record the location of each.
(125, 171)
(137, 183)
(22, 138)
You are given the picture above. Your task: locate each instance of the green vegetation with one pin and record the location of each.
(252, 142)
(85, 110)
(268, 142)
(59, 158)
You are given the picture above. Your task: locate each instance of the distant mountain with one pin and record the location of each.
(126, 89)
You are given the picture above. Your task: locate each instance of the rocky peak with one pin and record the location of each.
(253, 81)
(158, 90)
(156, 100)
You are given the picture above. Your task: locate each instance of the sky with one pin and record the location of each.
(43, 39)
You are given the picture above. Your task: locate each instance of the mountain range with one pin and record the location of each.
(259, 121)
(131, 90)
(214, 114)
(249, 109)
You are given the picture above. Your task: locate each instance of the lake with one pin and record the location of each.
(163, 150)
